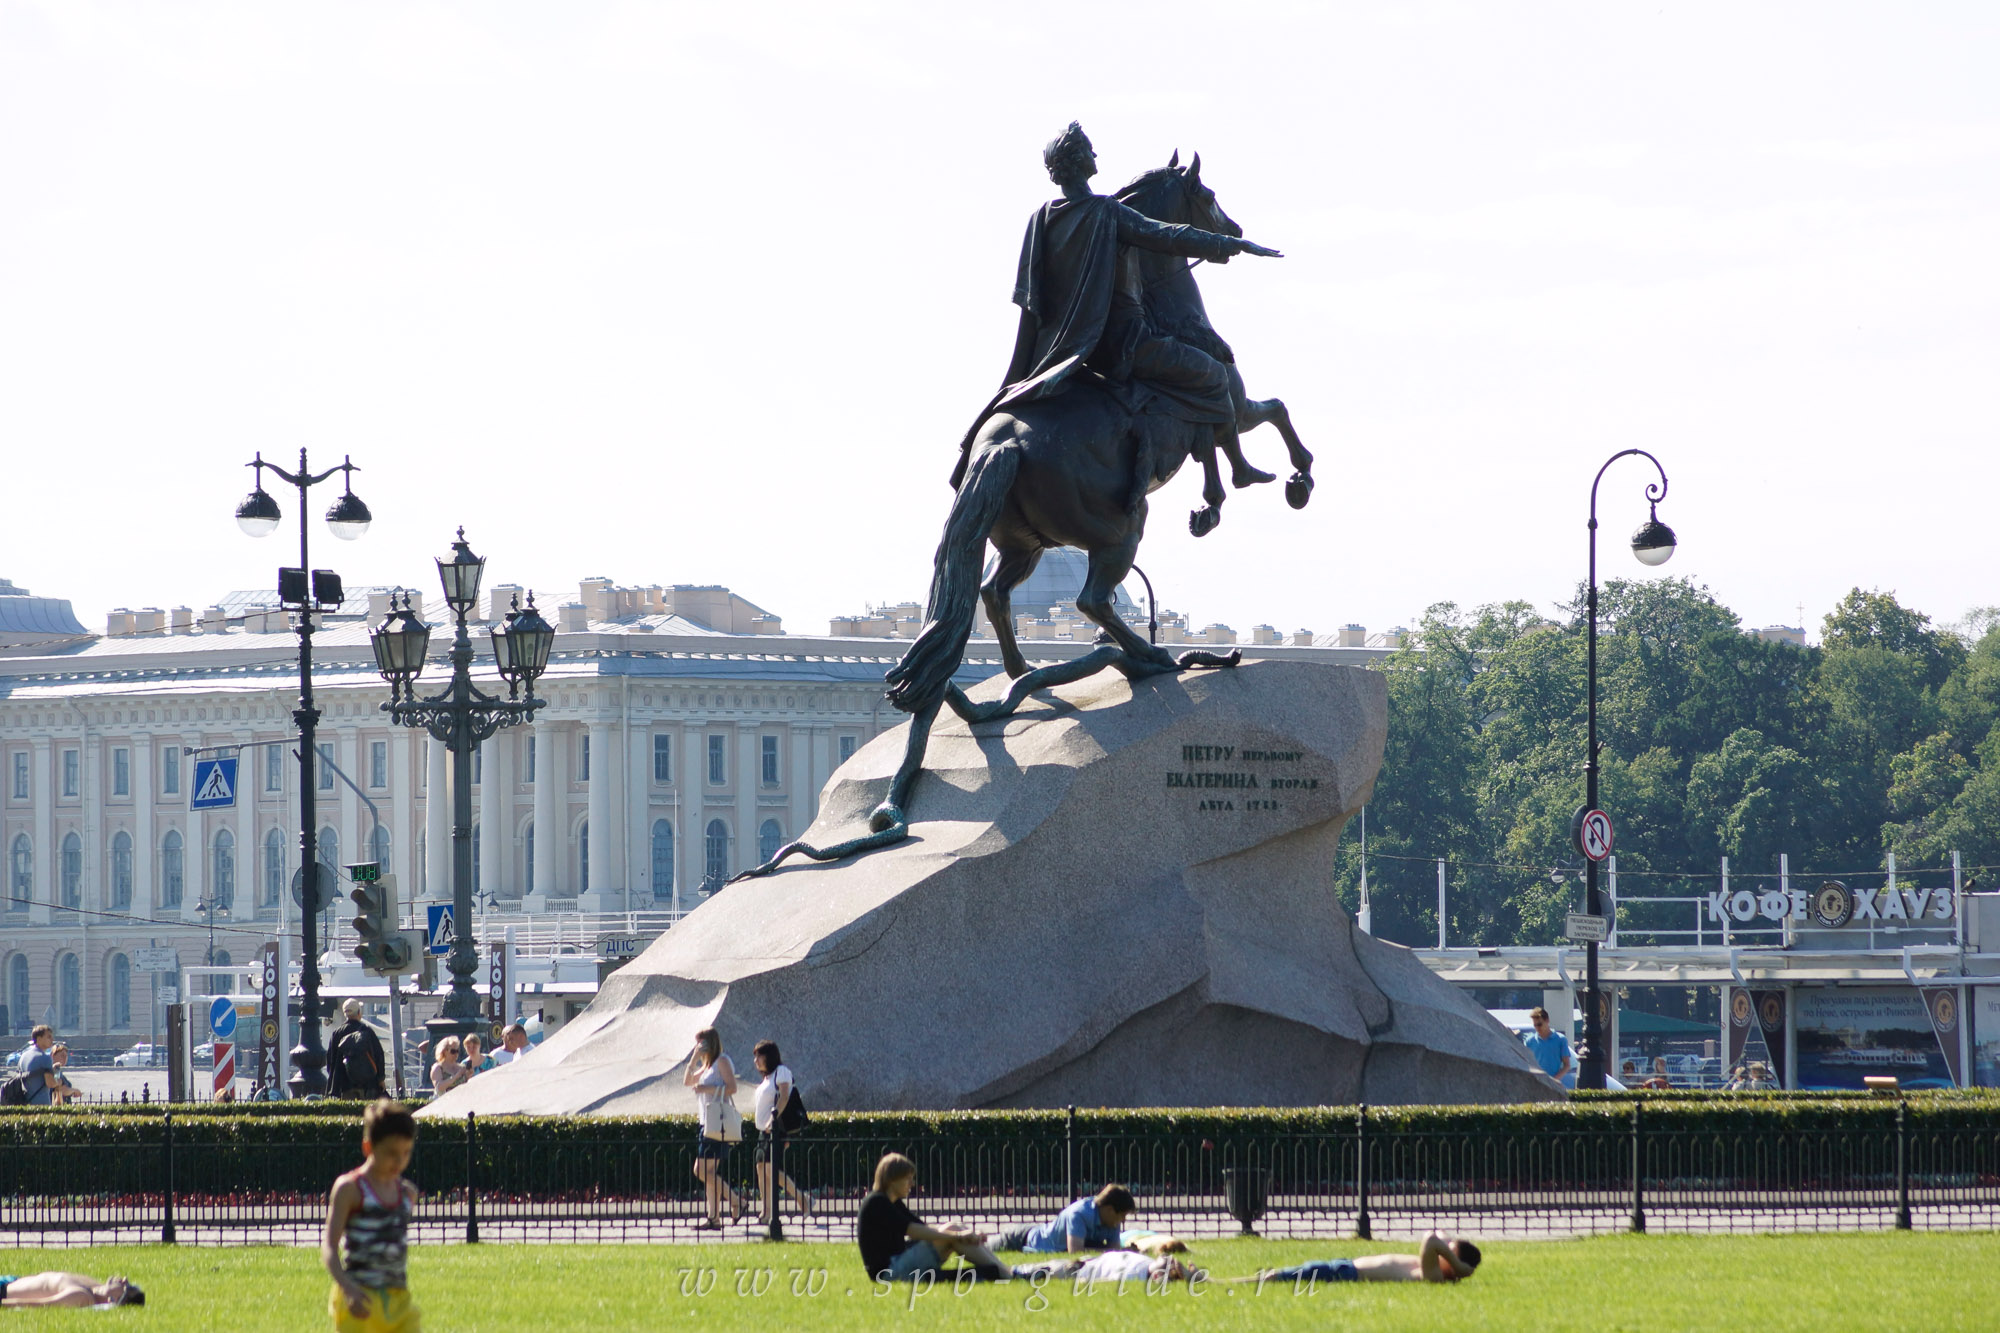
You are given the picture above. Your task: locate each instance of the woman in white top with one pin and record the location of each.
(712, 1075)
(772, 1095)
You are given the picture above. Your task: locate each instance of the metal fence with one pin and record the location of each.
(171, 1180)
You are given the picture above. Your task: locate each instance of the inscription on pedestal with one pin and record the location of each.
(1224, 771)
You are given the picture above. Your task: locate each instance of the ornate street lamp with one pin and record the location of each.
(1653, 545)
(461, 716)
(307, 590)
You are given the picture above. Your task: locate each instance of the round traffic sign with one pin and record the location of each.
(222, 1017)
(1593, 834)
(325, 886)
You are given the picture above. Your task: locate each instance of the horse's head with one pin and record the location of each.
(1174, 193)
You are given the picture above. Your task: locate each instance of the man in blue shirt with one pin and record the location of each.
(1087, 1224)
(39, 1069)
(1549, 1047)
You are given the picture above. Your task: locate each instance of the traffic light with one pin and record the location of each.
(384, 949)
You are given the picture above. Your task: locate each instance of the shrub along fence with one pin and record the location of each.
(1672, 1162)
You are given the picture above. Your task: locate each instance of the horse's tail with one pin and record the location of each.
(917, 683)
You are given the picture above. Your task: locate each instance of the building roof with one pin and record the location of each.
(25, 618)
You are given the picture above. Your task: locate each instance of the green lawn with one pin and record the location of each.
(1761, 1283)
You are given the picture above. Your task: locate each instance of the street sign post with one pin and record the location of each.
(1586, 929)
(156, 960)
(214, 784)
(1592, 834)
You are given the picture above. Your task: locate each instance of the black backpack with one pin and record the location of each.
(357, 1067)
(793, 1118)
(14, 1092)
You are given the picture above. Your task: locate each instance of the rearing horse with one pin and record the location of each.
(1074, 470)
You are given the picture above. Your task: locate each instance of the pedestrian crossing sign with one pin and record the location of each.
(214, 784)
(441, 935)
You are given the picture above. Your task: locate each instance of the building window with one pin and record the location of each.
(329, 863)
(20, 874)
(69, 993)
(531, 759)
(121, 871)
(423, 863)
(221, 983)
(716, 867)
(583, 857)
(222, 877)
(663, 859)
(274, 768)
(170, 771)
(528, 879)
(769, 839)
(475, 861)
(121, 772)
(378, 763)
(846, 748)
(326, 768)
(583, 764)
(121, 992)
(17, 994)
(72, 872)
(769, 755)
(378, 845)
(274, 868)
(478, 764)
(20, 775)
(663, 758)
(172, 872)
(71, 770)
(717, 774)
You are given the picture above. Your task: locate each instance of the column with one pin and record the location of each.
(90, 760)
(492, 795)
(691, 813)
(194, 839)
(549, 832)
(607, 888)
(145, 871)
(748, 779)
(437, 820)
(354, 826)
(822, 762)
(402, 815)
(249, 849)
(639, 814)
(798, 765)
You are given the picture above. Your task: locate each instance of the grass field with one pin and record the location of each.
(1762, 1283)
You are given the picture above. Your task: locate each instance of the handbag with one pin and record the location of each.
(720, 1120)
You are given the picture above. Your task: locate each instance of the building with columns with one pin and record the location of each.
(686, 737)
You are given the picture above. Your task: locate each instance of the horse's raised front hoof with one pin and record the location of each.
(1203, 521)
(1249, 476)
(884, 816)
(1299, 489)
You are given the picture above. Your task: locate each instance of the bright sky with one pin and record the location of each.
(668, 293)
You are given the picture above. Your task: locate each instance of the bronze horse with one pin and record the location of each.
(1074, 470)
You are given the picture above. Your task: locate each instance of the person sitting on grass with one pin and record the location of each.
(20, 1293)
(1440, 1260)
(896, 1246)
(366, 1244)
(1087, 1224)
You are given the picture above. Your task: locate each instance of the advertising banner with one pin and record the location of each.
(1770, 1006)
(1845, 1035)
(268, 1024)
(1942, 1001)
(1985, 1018)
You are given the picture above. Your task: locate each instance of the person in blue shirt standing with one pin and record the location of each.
(1087, 1224)
(1549, 1047)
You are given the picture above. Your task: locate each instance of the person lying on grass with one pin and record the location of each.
(896, 1246)
(19, 1293)
(1116, 1267)
(1087, 1224)
(1440, 1260)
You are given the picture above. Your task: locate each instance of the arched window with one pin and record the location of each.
(72, 871)
(769, 838)
(222, 872)
(173, 876)
(220, 984)
(121, 992)
(274, 868)
(18, 1011)
(69, 993)
(475, 860)
(716, 867)
(663, 859)
(21, 875)
(329, 851)
(423, 863)
(528, 879)
(378, 848)
(121, 872)
(583, 857)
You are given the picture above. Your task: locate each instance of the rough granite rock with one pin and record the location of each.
(1121, 896)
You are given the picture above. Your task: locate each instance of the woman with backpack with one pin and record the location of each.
(780, 1116)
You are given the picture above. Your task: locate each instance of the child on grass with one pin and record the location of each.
(366, 1245)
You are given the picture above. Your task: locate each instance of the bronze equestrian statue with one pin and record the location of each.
(1116, 379)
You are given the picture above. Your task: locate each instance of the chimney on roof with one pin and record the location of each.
(378, 605)
(597, 599)
(767, 625)
(120, 621)
(1264, 634)
(149, 620)
(180, 620)
(500, 600)
(1302, 638)
(1353, 636)
(572, 618)
(214, 620)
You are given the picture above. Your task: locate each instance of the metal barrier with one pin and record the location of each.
(229, 1183)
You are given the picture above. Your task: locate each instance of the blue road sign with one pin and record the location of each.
(222, 1017)
(214, 784)
(440, 932)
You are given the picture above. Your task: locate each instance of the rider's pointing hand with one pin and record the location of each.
(1252, 248)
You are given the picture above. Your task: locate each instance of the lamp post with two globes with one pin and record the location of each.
(1652, 544)
(307, 590)
(461, 716)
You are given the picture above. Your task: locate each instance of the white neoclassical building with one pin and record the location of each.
(686, 736)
